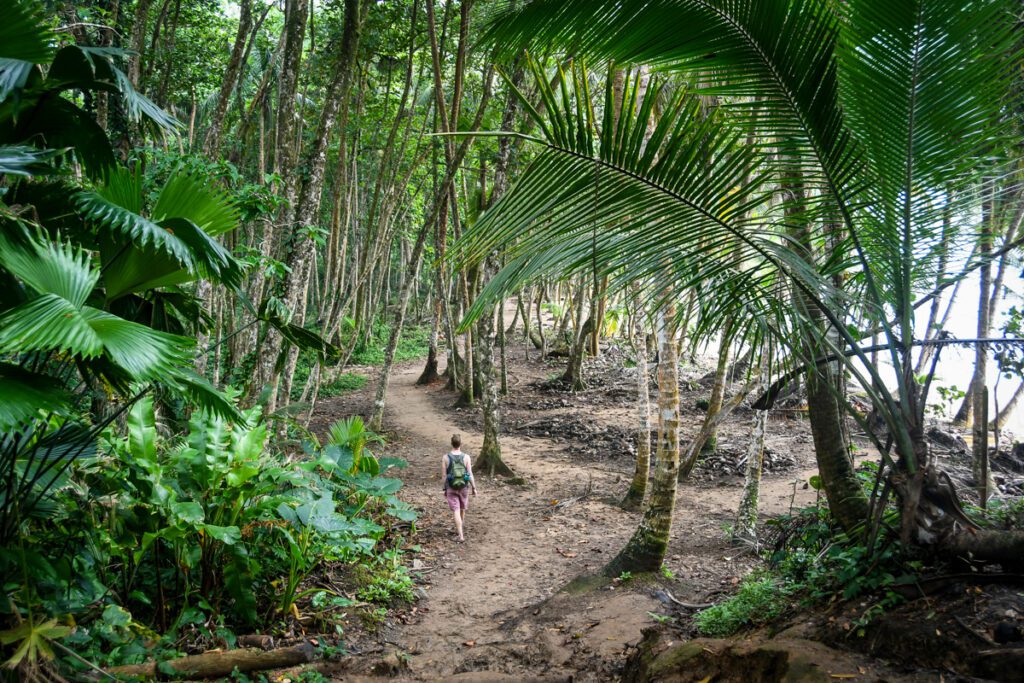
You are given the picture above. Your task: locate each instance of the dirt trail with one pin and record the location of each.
(491, 603)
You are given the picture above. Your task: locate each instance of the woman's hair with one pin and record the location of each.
(456, 440)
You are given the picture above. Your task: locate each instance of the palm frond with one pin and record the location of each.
(48, 323)
(924, 85)
(27, 395)
(22, 160)
(596, 198)
(57, 269)
(138, 106)
(24, 35)
(14, 74)
(774, 58)
(200, 393)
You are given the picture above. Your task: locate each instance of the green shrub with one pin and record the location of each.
(759, 600)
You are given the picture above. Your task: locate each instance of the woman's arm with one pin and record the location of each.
(444, 472)
(469, 470)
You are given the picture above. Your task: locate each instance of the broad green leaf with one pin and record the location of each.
(189, 512)
(51, 268)
(49, 323)
(187, 197)
(144, 352)
(142, 430)
(240, 475)
(228, 535)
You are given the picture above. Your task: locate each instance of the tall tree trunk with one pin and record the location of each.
(965, 414)
(138, 40)
(296, 12)
(380, 398)
(302, 258)
(211, 142)
(978, 382)
(489, 459)
(846, 498)
(646, 550)
(106, 41)
(441, 114)
(443, 195)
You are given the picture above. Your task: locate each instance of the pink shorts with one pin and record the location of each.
(457, 498)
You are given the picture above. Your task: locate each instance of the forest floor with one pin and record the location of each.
(497, 607)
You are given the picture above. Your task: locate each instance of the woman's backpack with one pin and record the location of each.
(458, 475)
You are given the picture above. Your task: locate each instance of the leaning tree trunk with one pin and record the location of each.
(1007, 411)
(573, 375)
(641, 471)
(746, 517)
(645, 551)
(377, 420)
(846, 498)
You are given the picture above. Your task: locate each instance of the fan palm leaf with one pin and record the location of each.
(57, 320)
(172, 247)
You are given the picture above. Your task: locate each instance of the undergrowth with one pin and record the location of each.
(810, 563)
(414, 342)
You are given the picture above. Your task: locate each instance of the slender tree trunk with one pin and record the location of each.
(489, 460)
(573, 375)
(646, 550)
(746, 516)
(965, 414)
(285, 162)
(978, 382)
(106, 41)
(710, 445)
(1006, 412)
(641, 471)
(417, 253)
(379, 403)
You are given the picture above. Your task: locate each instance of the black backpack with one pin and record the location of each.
(458, 475)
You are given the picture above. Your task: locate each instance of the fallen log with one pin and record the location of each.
(218, 664)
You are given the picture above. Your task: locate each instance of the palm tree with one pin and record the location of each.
(887, 115)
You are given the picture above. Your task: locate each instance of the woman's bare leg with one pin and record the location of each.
(458, 524)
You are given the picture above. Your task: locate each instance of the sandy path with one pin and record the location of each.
(487, 607)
